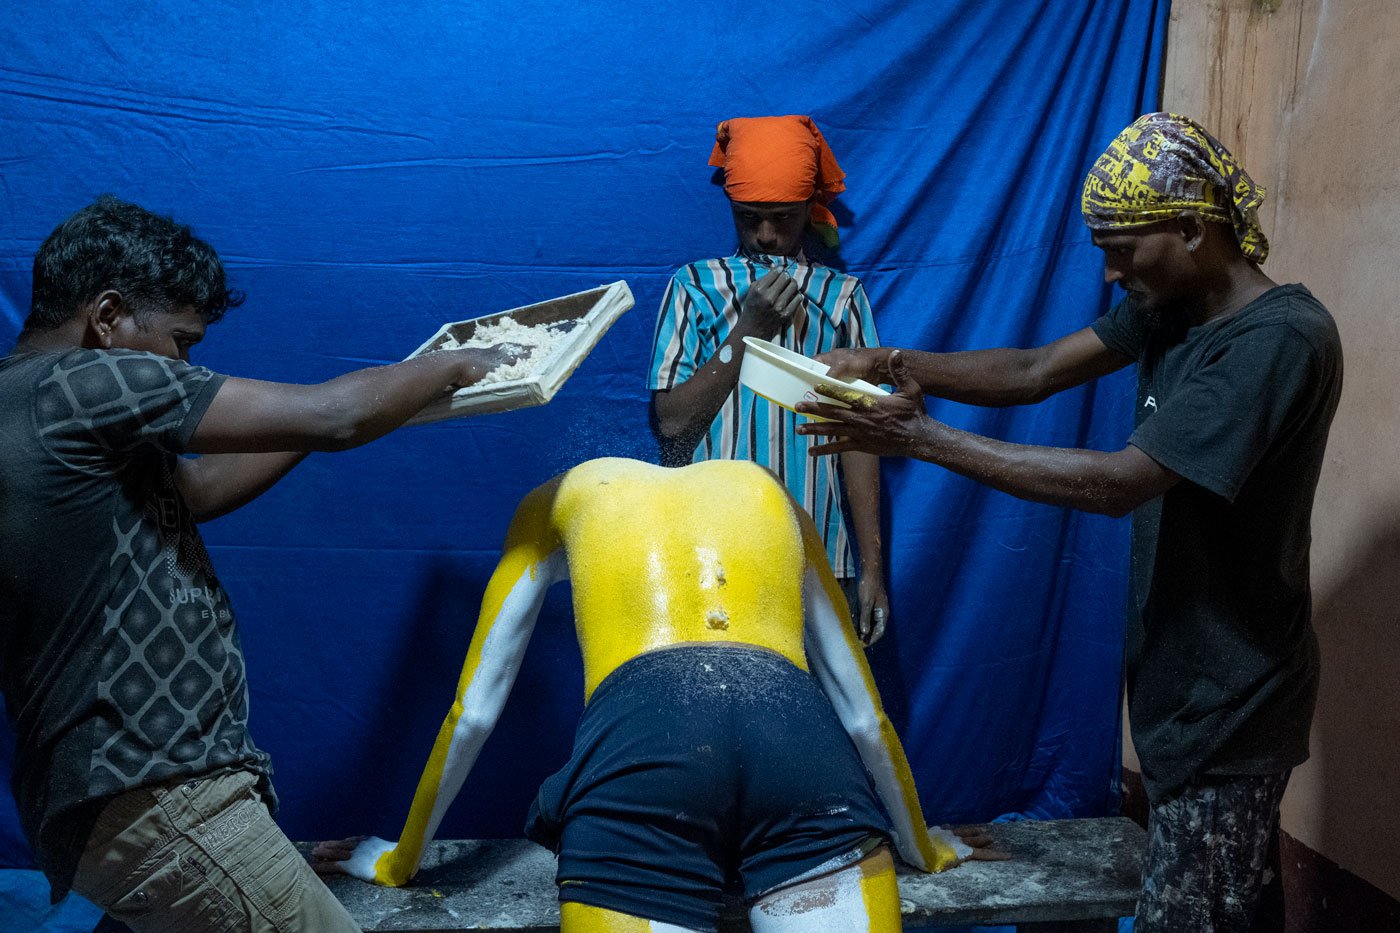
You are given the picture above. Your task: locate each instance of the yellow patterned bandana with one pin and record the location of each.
(1165, 164)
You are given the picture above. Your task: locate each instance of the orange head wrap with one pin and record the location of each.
(779, 159)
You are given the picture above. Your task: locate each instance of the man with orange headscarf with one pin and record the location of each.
(1238, 380)
(779, 175)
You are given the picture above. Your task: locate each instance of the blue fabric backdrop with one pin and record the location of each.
(371, 171)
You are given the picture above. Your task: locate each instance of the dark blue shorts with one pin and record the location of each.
(703, 770)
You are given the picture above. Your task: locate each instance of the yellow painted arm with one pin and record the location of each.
(532, 560)
(838, 661)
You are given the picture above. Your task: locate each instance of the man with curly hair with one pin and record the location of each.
(137, 781)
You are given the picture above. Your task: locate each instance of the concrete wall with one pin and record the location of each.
(1307, 94)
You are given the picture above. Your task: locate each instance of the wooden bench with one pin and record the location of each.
(1064, 875)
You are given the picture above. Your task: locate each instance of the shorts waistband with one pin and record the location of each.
(669, 655)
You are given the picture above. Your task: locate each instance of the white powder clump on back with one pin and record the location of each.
(539, 339)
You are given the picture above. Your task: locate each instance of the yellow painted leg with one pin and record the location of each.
(863, 898)
(880, 891)
(584, 918)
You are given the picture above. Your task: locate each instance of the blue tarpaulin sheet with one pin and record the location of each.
(371, 171)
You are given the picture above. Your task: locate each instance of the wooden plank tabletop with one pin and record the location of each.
(1060, 870)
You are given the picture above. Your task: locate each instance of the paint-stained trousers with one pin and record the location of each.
(203, 855)
(1208, 856)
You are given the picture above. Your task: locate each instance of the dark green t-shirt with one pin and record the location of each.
(119, 658)
(1222, 661)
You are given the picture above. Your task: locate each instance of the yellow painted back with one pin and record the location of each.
(710, 552)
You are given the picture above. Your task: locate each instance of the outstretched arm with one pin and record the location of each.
(254, 432)
(1110, 483)
(997, 377)
(838, 661)
(531, 562)
(252, 416)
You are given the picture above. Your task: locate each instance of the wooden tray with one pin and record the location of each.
(587, 315)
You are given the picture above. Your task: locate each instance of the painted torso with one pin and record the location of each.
(721, 550)
(712, 553)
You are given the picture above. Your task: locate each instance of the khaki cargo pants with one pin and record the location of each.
(203, 855)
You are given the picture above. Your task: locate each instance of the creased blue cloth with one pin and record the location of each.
(370, 172)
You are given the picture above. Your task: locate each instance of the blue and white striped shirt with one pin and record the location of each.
(701, 306)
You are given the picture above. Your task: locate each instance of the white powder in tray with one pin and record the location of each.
(539, 339)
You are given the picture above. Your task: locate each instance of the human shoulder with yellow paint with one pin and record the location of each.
(731, 716)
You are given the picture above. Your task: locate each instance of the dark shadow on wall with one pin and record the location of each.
(1356, 740)
(531, 739)
(1358, 624)
(424, 664)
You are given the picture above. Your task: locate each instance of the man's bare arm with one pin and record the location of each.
(896, 425)
(531, 561)
(216, 484)
(1110, 483)
(997, 377)
(252, 416)
(837, 660)
(255, 432)
(862, 479)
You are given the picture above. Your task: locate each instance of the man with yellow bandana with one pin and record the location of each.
(1238, 381)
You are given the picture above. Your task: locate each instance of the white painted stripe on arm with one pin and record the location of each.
(486, 695)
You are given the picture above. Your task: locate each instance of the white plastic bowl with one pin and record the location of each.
(786, 378)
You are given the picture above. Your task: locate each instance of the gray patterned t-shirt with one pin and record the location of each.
(119, 658)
